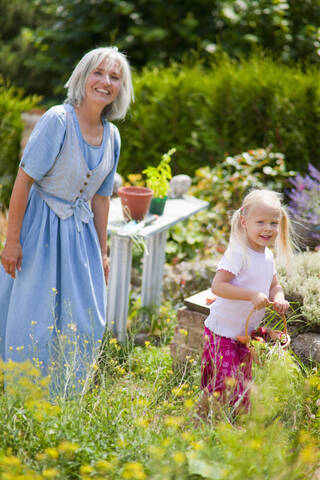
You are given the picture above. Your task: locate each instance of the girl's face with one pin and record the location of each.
(261, 225)
(103, 83)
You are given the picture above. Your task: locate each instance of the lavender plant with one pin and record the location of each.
(304, 205)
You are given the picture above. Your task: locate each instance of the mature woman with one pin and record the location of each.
(52, 284)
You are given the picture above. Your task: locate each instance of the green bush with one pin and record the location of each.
(12, 104)
(229, 108)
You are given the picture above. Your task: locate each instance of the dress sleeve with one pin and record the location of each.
(44, 144)
(107, 185)
(232, 261)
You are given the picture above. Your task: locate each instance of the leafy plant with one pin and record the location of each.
(302, 284)
(158, 177)
(304, 205)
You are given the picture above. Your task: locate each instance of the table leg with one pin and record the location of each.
(153, 262)
(119, 285)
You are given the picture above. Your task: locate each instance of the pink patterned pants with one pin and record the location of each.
(226, 367)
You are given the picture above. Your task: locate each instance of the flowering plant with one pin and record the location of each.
(304, 204)
(158, 177)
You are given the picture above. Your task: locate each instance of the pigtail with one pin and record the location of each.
(238, 235)
(285, 244)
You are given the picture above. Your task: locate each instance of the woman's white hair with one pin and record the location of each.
(77, 82)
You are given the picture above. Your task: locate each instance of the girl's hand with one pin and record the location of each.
(11, 258)
(105, 264)
(280, 305)
(260, 300)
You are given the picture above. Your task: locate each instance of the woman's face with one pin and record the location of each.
(103, 83)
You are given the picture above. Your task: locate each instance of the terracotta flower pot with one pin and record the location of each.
(135, 202)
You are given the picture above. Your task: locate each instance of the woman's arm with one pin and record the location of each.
(100, 207)
(280, 304)
(222, 287)
(11, 257)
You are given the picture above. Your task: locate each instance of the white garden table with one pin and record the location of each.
(154, 236)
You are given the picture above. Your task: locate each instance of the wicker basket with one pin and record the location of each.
(273, 335)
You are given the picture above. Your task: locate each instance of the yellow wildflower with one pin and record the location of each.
(183, 331)
(308, 455)
(179, 458)
(174, 422)
(134, 470)
(67, 447)
(11, 461)
(188, 403)
(50, 473)
(86, 469)
(52, 452)
(104, 465)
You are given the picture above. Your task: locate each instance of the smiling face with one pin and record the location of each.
(261, 224)
(103, 83)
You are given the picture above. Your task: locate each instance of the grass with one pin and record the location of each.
(138, 421)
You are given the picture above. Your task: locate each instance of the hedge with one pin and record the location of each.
(227, 109)
(204, 113)
(12, 104)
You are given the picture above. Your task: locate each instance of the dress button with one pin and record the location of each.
(88, 175)
(81, 191)
(85, 183)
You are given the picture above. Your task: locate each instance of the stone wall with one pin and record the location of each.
(188, 335)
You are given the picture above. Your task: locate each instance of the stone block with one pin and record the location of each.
(188, 335)
(307, 346)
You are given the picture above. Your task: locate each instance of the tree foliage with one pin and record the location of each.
(43, 39)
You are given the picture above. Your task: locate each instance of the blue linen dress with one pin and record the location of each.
(58, 300)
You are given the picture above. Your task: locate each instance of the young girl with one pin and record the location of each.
(246, 278)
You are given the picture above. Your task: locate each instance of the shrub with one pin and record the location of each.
(228, 108)
(302, 284)
(12, 104)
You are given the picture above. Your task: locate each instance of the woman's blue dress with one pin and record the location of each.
(54, 311)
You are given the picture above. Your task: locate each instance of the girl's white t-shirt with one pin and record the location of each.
(252, 270)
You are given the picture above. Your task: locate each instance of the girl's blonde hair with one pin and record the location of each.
(77, 81)
(284, 241)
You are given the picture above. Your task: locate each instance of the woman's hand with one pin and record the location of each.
(100, 207)
(11, 258)
(280, 304)
(260, 300)
(105, 265)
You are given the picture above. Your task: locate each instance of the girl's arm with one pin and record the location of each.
(11, 257)
(280, 304)
(222, 287)
(100, 207)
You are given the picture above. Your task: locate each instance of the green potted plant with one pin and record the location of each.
(158, 180)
